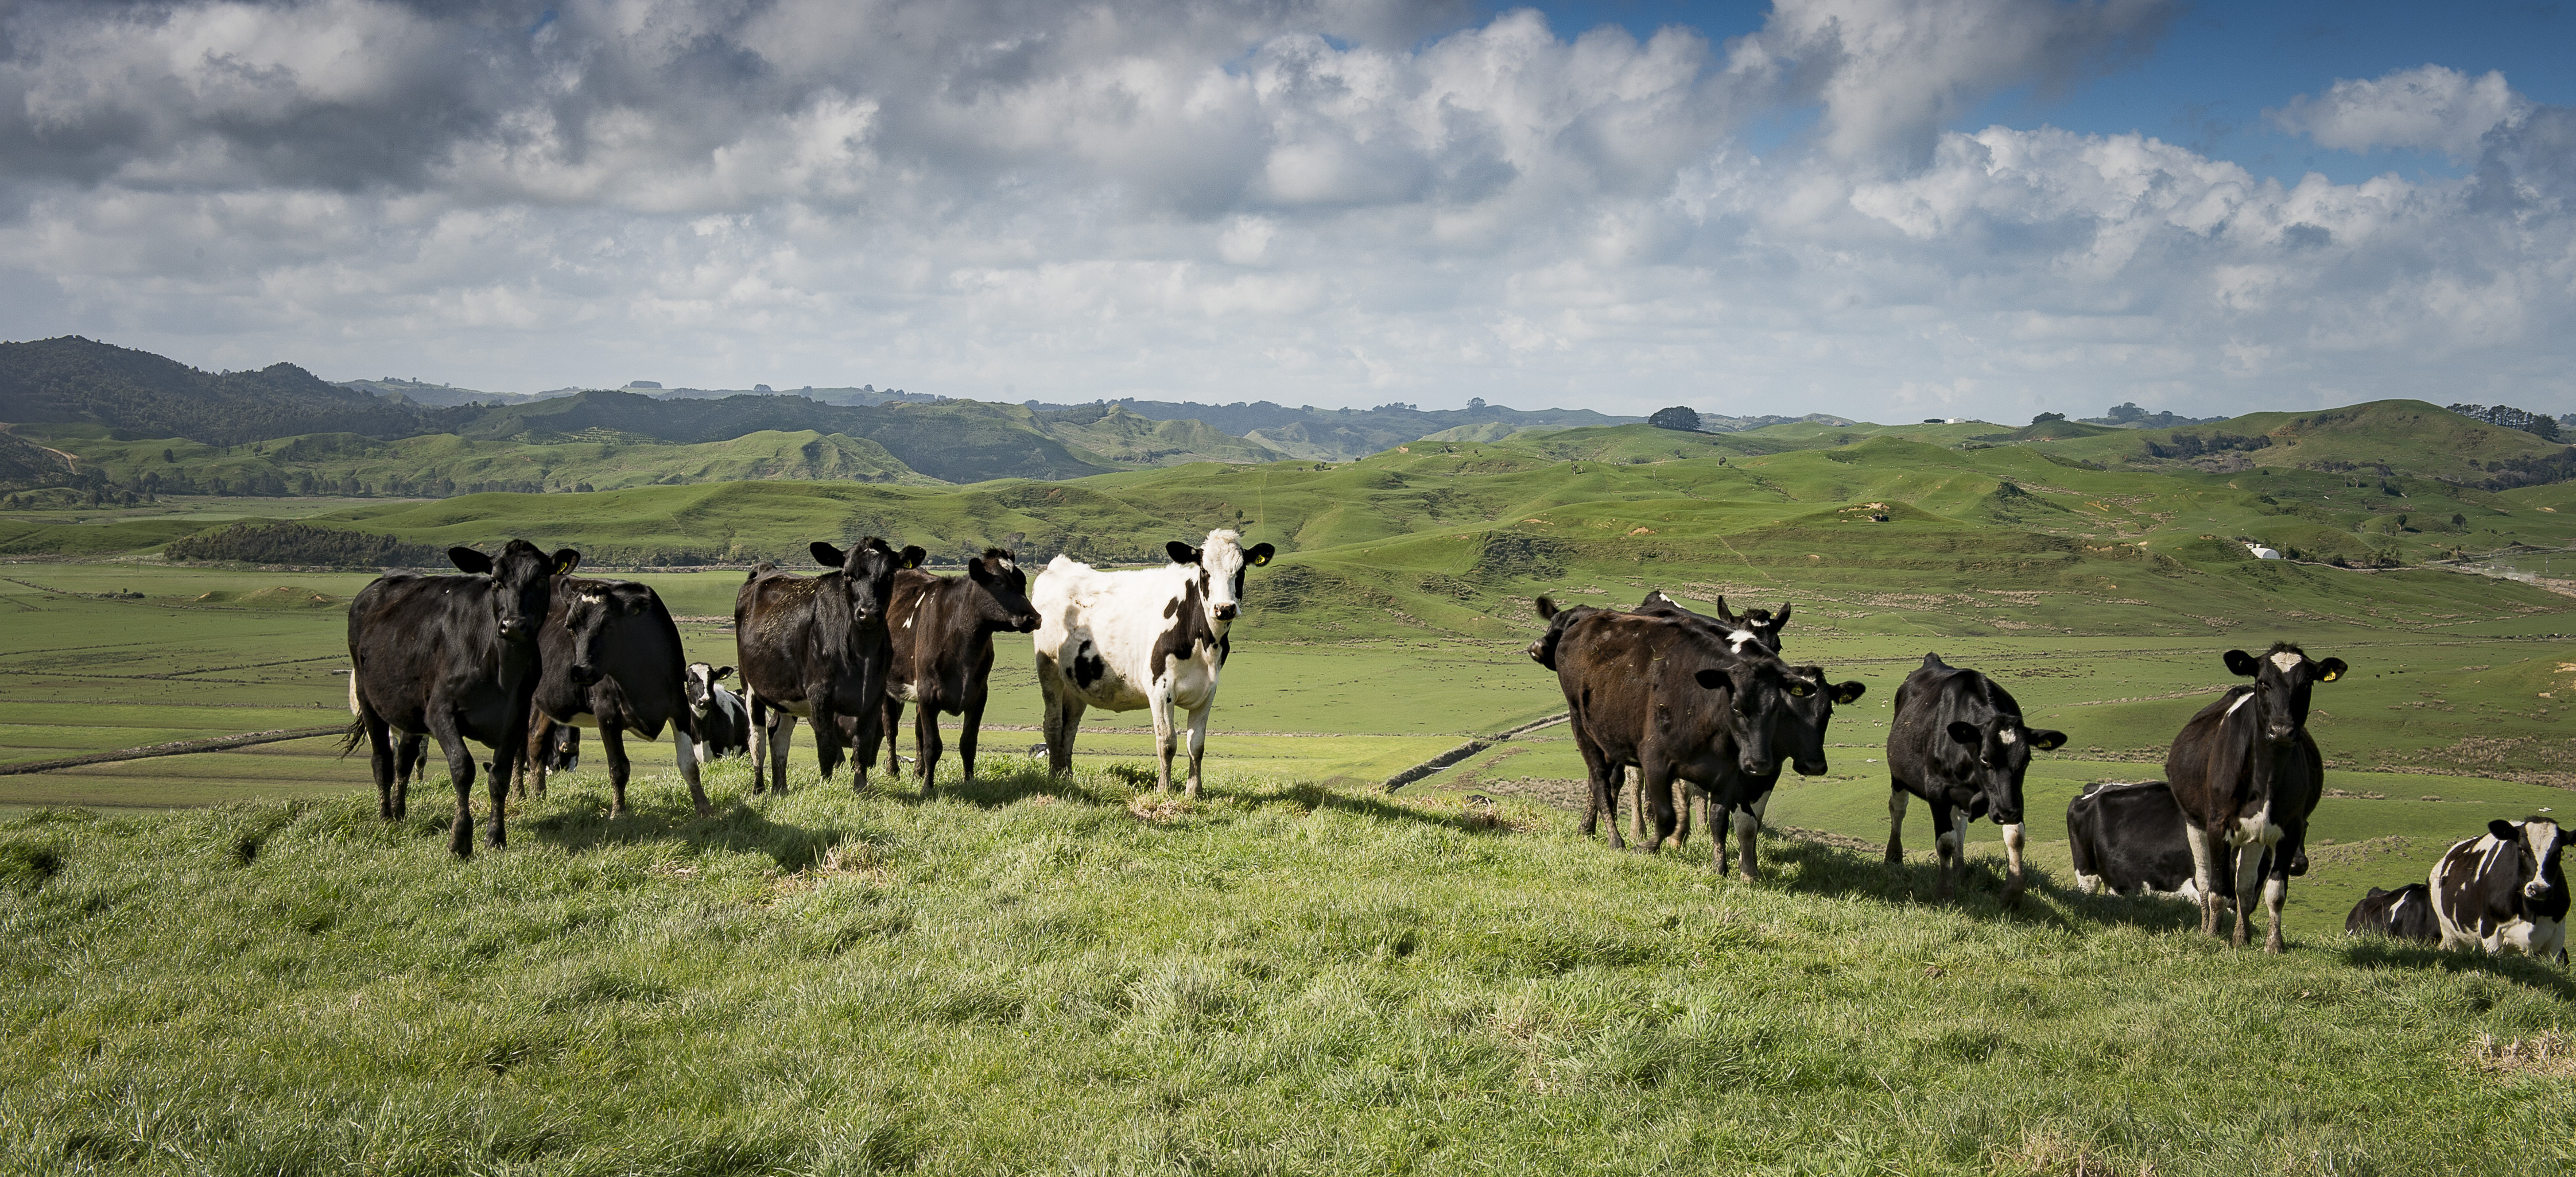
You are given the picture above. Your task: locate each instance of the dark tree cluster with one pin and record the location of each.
(1676, 417)
(2193, 445)
(2520, 470)
(2537, 424)
(303, 543)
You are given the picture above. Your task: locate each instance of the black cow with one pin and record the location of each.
(558, 750)
(1543, 650)
(815, 647)
(2405, 914)
(942, 631)
(1672, 698)
(2129, 838)
(723, 722)
(2505, 891)
(612, 660)
(1958, 741)
(2247, 775)
(1799, 726)
(453, 658)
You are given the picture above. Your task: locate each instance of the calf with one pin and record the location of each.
(2247, 775)
(452, 658)
(942, 631)
(1799, 726)
(2404, 914)
(1152, 638)
(1958, 741)
(558, 749)
(2505, 890)
(1676, 700)
(612, 660)
(814, 647)
(2129, 838)
(723, 723)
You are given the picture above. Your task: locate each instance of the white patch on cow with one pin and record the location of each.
(1742, 636)
(2251, 828)
(2241, 701)
(908, 692)
(2286, 661)
(2088, 884)
(2008, 736)
(1116, 620)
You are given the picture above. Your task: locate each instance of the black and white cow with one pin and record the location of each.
(559, 750)
(1958, 741)
(1758, 626)
(2404, 914)
(612, 661)
(2129, 838)
(2505, 891)
(1151, 638)
(814, 647)
(723, 722)
(2247, 775)
(453, 658)
(941, 629)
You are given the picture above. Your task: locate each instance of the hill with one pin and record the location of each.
(1336, 435)
(74, 380)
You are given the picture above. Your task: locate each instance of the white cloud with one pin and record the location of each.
(1309, 203)
(2428, 108)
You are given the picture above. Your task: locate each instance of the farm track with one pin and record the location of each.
(175, 748)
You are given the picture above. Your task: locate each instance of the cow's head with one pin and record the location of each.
(563, 748)
(2282, 678)
(1803, 719)
(698, 682)
(1998, 751)
(1754, 626)
(1758, 687)
(1004, 603)
(1221, 564)
(867, 574)
(522, 583)
(2537, 843)
(592, 615)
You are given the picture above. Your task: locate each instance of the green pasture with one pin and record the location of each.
(1282, 978)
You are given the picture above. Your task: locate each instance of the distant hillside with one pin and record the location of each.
(1339, 435)
(1114, 433)
(76, 380)
(437, 395)
(953, 441)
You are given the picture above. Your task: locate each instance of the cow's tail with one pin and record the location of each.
(357, 733)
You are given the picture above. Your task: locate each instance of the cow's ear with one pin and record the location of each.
(719, 672)
(1781, 621)
(827, 555)
(2502, 829)
(1260, 554)
(1967, 733)
(469, 560)
(1712, 679)
(2045, 740)
(977, 572)
(566, 560)
(912, 556)
(1722, 613)
(2331, 669)
(1850, 692)
(1547, 609)
(1181, 553)
(2243, 664)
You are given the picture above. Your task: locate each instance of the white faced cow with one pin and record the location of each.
(2505, 891)
(1152, 638)
(723, 722)
(2247, 775)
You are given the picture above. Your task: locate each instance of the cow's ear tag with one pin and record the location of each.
(913, 556)
(2045, 740)
(565, 561)
(1800, 690)
(1261, 554)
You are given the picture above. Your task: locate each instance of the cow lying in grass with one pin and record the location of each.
(2505, 891)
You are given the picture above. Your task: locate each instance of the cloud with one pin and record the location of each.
(1315, 203)
(2428, 108)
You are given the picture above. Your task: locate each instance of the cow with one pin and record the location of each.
(454, 658)
(814, 647)
(2247, 775)
(611, 659)
(558, 749)
(1151, 638)
(1558, 617)
(723, 723)
(2403, 914)
(941, 629)
(1673, 698)
(2505, 890)
(2129, 838)
(1958, 742)
(1799, 726)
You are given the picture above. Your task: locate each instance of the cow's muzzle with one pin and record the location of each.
(1227, 612)
(585, 675)
(1025, 623)
(1815, 767)
(2536, 889)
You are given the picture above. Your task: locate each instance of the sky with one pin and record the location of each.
(1884, 209)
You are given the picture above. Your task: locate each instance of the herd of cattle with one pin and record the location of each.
(518, 654)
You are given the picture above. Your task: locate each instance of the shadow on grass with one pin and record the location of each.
(2381, 952)
(1376, 807)
(1817, 868)
(736, 827)
(1017, 781)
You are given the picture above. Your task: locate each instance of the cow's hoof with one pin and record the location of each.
(616, 811)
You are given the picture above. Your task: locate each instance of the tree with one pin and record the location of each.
(2125, 412)
(1676, 417)
(2045, 418)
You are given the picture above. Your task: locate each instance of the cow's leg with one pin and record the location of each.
(684, 749)
(2204, 873)
(759, 739)
(1896, 800)
(380, 761)
(1637, 813)
(460, 772)
(829, 750)
(1198, 744)
(1691, 797)
(1748, 824)
(966, 731)
(1949, 845)
(407, 754)
(1053, 723)
(1596, 772)
(890, 718)
(925, 747)
(1720, 847)
(615, 739)
(2276, 891)
(2012, 860)
(534, 761)
(1655, 805)
(2249, 882)
(1158, 704)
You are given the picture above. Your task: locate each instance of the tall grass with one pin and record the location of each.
(1068, 976)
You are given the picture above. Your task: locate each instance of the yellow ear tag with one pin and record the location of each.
(1258, 561)
(564, 569)
(2331, 675)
